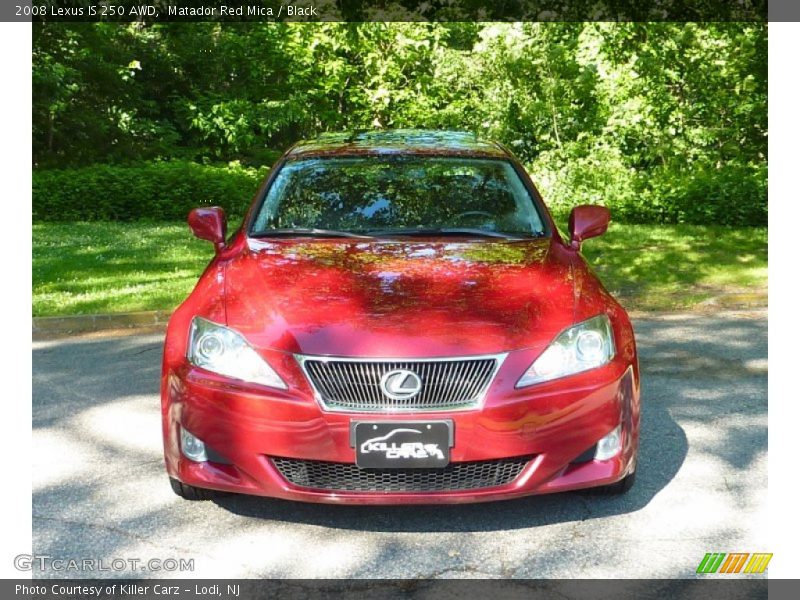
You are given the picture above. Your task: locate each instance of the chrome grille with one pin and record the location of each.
(348, 477)
(355, 384)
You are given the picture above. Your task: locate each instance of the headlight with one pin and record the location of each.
(582, 347)
(224, 351)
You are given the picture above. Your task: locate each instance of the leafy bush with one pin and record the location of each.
(154, 191)
(733, 194)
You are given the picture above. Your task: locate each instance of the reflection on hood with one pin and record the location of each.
(398, 298)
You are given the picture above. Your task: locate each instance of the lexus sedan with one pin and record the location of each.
(398, 320)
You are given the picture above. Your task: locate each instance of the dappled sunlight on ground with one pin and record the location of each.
(100, 489)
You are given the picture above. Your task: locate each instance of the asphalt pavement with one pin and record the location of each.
(100, 490)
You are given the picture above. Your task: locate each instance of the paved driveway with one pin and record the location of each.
(100, 490)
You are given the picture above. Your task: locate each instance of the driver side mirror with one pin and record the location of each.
(209, 224)
(587, 221)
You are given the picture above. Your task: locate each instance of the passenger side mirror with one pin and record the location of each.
(209, 224)
(587, 221)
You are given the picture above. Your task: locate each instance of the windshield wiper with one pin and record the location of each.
(451, 231)
(308, 232)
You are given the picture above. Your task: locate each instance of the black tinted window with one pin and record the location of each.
(384, 193)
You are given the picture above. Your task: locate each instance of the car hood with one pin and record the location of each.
(417, 298)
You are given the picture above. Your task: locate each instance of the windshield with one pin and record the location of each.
(398, 194)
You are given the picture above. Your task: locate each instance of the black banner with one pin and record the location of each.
(395, 10)
(710, 588)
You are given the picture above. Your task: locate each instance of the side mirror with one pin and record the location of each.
(587, 221)
(209, 224)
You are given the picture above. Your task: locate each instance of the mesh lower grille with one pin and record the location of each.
(349, 477)
(356, 385)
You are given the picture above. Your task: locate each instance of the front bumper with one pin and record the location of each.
(551, 424)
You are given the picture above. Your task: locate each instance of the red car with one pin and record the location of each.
(398, 320)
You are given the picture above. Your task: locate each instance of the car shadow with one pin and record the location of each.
(663, 450)
(680, 372)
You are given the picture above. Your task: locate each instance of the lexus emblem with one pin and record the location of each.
(401, 384)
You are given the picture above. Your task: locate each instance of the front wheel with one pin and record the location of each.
(189, 492)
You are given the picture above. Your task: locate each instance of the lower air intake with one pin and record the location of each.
(347, 477)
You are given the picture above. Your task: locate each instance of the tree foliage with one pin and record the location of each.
(660, 121)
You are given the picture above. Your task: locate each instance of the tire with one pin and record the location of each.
(615, 489)
(189, 492)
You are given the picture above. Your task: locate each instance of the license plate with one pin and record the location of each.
(409, 444)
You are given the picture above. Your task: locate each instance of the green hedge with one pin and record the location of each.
(154, 191)
(732, 195)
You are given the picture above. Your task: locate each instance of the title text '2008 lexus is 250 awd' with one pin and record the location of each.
(398, 320)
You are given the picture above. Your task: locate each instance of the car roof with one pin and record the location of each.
(398, 141)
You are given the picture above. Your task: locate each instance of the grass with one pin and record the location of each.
(675, 267)
(86, 268)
